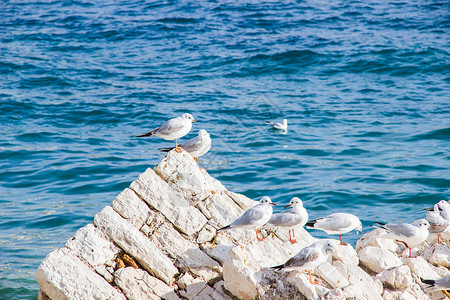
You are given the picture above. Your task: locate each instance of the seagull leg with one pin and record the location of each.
(178, 149)
(257, 236)
(310, 278)
(406, 245)
(439, 239)
(342, 243)
(292, 239)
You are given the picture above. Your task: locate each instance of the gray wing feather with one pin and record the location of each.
(332, 223)
(249, 217)
(171, 126)
(403, 229)
(193, 144)
(306, 255)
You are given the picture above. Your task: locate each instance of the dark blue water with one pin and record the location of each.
(365, 86)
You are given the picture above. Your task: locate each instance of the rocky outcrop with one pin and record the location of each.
(158, 240)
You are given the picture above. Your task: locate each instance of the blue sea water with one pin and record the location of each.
(364, 86)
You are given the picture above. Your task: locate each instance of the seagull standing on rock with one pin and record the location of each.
(309, 257)
(295, 216)
(437, 220)
(337, 223)
(408, 234)
(173, 129)
(254, 217)
(196, 146)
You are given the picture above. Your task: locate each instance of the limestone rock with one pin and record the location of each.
(438, 255)
(310, 291)
(378, 259)
(93, 246)
(346, 254)
(159, 195)
(331, 275)
(62, 275)
(138, 284)
(243, 202)
(372, 239)
(222, 209)
(357, 277)
(136, 244)
(398, 278)
(420, 267)
(131, 207)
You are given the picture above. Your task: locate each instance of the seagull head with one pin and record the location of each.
(266, 201)
(189, 117)
(328, 246)
(359, 227)
(295, 201)
(203, 134)
(422, 223)
(285, 122)
(443, 205)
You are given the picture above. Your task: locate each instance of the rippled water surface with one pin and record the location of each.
(364, 86)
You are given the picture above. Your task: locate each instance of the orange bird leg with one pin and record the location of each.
(310, 279)
(406, 245)
(257, 236)
(342, 243)
(178, 149)
(292, 239)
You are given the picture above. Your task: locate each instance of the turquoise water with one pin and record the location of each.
(364, 86)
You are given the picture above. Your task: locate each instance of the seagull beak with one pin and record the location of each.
(429, 209)
(194, 121)
(271, 203)
(288, 206)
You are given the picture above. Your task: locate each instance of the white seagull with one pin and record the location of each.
(196, 146)
(440, 284)
(438, 223)
(173, 129)
(295, 216)
(309, 257)
(280, 126)
(254, 217)
(337, 223)
(408, 234)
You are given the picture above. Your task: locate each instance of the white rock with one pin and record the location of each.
(211, 183)
(62, 275)
(93, 246)
(238, 277)
(310, 291)
(438, 255)
(219, 293)
(135, 243)
(398, 278)
(187, 254)
(193, 288)
(371, 239)
(102, 270)
(159, 195)
(131, 207)
(181, 172)
(378, 259)
(420, 267)
(346, 254)
(222, 209)
(331, 275)
(206, 234)
(138, 284)
(243, 202)
(357, 277)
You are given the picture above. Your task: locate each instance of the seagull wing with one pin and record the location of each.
(250, 217)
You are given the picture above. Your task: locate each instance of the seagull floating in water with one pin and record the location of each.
(337, 223)
(173, 129)
(295, 216)
(309, 257)
(254, 217)
(196, 146)
(280, 126)
(408, 234)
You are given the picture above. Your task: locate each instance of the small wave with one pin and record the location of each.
(438, 134)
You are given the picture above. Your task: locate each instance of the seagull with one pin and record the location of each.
(440, 284)
(309, 257)
(254, 217)
(295, 216)
(196, 146)
(408, 234)
(337, 223)
(173, 129)
(280, 126)
(438, 223)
